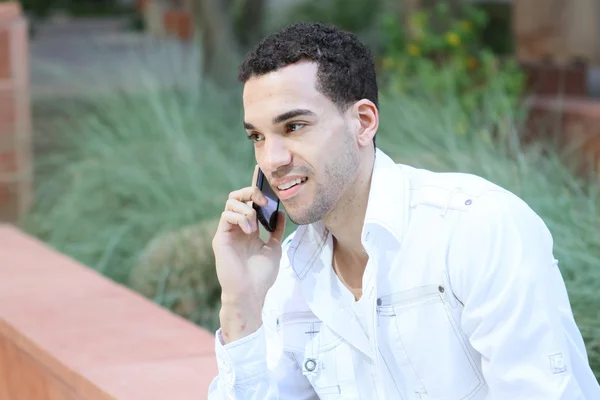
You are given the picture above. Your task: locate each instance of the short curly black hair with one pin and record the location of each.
(346, 70)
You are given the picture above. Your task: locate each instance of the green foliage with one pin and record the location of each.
(43, 8)
(354, 16)
(37, 8)
(130, 166)
(441, 53)
(497, 34)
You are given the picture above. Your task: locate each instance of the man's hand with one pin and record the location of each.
(246, 265)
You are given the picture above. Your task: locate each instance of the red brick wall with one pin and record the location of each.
(67, 332)
(15, 120)
(41, 384)
(576, 121)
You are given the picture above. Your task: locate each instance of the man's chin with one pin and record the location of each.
(301, 215)
(296, 215)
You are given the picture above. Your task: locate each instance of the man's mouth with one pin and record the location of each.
(291, 184)
(289, 189)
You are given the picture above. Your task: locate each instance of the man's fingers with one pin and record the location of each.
(244, 209)
(231, 219)
(248, 194)
(254, 182)
(239, 211)
(255, 176)
(239, 207)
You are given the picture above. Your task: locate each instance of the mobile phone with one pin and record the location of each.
(267, 215)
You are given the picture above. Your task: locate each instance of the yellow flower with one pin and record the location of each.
(453, 39)
(466, 26)
(414, 50)
(472, 63)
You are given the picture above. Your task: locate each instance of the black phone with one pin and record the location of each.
(267, 215)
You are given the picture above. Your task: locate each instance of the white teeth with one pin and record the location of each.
(290, 184)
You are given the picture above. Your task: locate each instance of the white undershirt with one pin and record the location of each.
(358, 306)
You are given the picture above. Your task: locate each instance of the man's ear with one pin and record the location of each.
(367, 115)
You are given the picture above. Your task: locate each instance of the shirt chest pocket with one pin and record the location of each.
(426, 345)
(324, 358)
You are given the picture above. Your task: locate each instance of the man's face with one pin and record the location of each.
(304, 144)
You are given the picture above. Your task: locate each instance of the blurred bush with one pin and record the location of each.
(177, 270)
(497, 33)
(442, 54)
(355, 16)
(131, 183)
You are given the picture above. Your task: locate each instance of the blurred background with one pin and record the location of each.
(121, 123)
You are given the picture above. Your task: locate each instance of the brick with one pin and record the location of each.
(185, 27)
(9, 163)
(575, 120)
(174, 383)
(9, 13)
(5, 69)
(141, 5)
(7, 143)
(178, 23)
(15, 118)
(9, 201)
(94, 338)
(40, 384)
(11, 10)
(551, 80)
(8, 112)
(563, 32)
(20, 54)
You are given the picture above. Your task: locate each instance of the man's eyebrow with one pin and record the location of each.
(283, 117)
(291, 114)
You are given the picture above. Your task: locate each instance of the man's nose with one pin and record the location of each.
(276, 154)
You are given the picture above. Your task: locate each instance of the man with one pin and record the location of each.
(399, 283)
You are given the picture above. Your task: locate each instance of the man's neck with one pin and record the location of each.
(346, 223)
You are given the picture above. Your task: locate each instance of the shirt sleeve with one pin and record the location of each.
(255, 368)
(516, 311)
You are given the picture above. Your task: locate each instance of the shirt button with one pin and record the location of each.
(441, 289)
(310, 365)
(379, 301)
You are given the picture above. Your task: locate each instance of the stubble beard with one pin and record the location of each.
(340, 173)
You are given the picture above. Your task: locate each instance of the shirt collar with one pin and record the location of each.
(386, 212)
(388, 203)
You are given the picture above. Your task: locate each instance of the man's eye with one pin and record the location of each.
(293, 127)
(255, 137)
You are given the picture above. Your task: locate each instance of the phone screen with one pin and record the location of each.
(267, 215)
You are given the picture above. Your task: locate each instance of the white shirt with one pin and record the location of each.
(463, 300)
